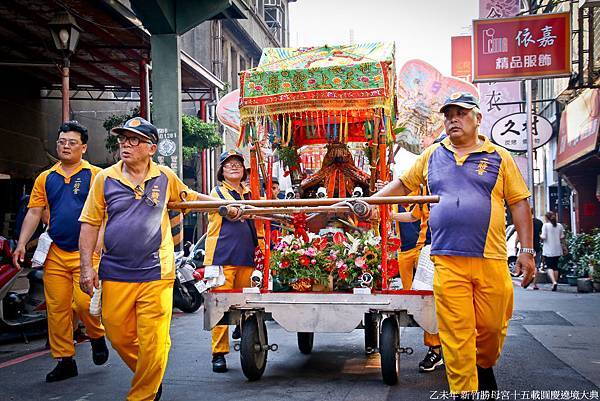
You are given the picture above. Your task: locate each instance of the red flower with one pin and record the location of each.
(284, 264)
(342, 274)
(320, 244)
(312, 81)
(394, 244)
(304, 260)
(392, 268)
(338, 238)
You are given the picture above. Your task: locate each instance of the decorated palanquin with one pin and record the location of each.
(332, 95)
(324, 110)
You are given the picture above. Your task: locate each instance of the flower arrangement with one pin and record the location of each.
(300, 261)
(351, 260)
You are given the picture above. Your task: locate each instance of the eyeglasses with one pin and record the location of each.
(71, 142)
(147, 200)
(233, 165)
(133, 140)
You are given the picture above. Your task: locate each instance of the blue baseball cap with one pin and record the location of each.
(465, 100)
(139, 126)
(230, 153)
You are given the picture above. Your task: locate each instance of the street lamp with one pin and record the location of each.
(65, 33)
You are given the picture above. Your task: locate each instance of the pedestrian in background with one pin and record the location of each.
(537, 246)
(231, 244)
(61, 191)
(472, 286)
(137, 268)
(553, 234)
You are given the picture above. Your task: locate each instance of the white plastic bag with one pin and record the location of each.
(96, 301)
(41, 251)
(424, 275)
(213, 277)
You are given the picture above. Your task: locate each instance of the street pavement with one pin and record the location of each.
(553, 344)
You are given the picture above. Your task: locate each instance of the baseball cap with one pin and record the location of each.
(139, 126)
(465, 100)
(230, 153)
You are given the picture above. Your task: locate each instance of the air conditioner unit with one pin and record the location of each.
(589, 3)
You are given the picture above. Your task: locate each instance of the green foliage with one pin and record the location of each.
(289, 156)
(583, 258)
(197, 134)
(115, 120)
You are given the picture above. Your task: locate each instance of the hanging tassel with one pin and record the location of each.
(328, 126)
(289, 131)
(346, 128)
(335, 128)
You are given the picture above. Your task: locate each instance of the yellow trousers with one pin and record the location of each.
(235, 277)
(137, 317)
(407, 263)
(473, 301)
(63, 297)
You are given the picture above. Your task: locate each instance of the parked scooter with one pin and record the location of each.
(189, 271)
(19, 311)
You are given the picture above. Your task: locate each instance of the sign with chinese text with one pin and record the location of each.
(495, 95)
(532, 46)
(579, 124)
(167, 154)
(498, 8)
(461, 57)
(510, 132)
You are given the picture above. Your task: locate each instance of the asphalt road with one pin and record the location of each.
(336, 370)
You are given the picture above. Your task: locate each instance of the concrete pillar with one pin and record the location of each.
(166, 88)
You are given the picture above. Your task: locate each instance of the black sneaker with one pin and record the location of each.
(486, 379)
(66, 368)
(219, 364)
(236, 335)
(99, 350)
(431, 361)
(158, 393)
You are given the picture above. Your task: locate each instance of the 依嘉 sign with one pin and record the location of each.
(522, 47)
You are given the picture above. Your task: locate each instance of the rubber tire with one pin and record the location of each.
(305, 342)
(371, 332)
(253, 362)
(388, 345)
(512, 265)
(191, 303)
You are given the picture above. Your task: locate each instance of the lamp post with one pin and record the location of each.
(65, 33)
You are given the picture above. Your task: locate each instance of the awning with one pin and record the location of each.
(109, 54)
(579, 125)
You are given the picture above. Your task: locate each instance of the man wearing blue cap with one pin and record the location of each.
(137, 267)
(473, 290)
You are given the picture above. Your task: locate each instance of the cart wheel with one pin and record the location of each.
(305, 342)
(388, 349)
(253, 354)
(370, 333)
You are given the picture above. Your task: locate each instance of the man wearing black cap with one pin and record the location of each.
(137, 268)
(472, 287)
(62, 190)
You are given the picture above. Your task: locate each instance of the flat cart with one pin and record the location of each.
(331, 96)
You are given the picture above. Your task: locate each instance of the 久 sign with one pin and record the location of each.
(522, 47)
(510, 132)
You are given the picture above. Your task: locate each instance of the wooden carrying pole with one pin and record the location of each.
(386, 200)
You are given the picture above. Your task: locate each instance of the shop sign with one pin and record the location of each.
(461, 57)
(579, 124)
(532, 46)
(510, 131)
